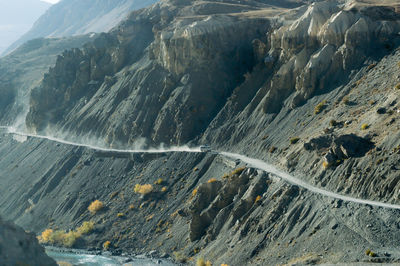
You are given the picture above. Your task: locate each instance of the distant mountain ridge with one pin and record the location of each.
(75, 17)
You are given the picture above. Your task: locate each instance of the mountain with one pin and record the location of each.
(310, 87)
(15, 21)
(74, 17)
(23, 69)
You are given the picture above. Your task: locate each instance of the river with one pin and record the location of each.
(97, 260)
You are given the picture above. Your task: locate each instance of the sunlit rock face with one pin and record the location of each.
(322, 43)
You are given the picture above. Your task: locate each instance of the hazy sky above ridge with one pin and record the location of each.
(17, 17)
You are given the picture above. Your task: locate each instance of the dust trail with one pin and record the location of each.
(248, 160)
(13, 131)
(296, 181)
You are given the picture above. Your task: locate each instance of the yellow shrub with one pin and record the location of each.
(201, 262)
(364, 126)
(223, 264)
(85, 228)
(237, 171)
(120, 215)
(212, 180)
(194, 192)
(45, 236)
(143, 189)
(131, 207)
(57, 237)
(325, 164)
(69, 239)
(258, 198)
(159, 181)
(106, 245)
(163, 189)
(95, 206)
(370, 253)
(319, 107)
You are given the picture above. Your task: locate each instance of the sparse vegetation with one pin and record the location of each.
(333, 123)
(202, 262)
(66, 239)
(319, 107)
(45, 236)
(272, 149)
(346, 100)
(212, 180)
(180, 257)
(364, 126)
(325, 164)
(397, 87)
(370, 253)
(294, 140)
(69, 239)
(158, 181)
(95, 206)
(258, 198)
(371, 66)
(86, 228)
(143, 189)
(106, 245)
(237, 171)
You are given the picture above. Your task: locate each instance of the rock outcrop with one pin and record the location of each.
(20, 248)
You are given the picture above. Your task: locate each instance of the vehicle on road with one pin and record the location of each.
(205, 148)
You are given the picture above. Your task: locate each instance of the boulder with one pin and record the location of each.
(20, 248)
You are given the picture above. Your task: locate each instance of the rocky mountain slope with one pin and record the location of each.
(309, 87)
(20, 248)
(74, 17)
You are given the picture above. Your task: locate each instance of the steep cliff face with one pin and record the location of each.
(182, 76)
(73, 17)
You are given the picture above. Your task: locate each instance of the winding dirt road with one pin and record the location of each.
(252, 162)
